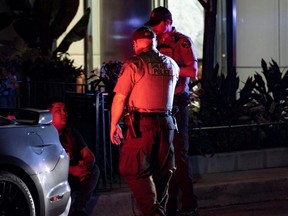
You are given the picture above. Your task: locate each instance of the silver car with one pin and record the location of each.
(33, 165)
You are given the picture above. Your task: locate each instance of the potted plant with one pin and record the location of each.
(105, 79)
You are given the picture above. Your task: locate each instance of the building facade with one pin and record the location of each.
(246, 32)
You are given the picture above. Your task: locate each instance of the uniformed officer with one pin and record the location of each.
(179, 47)
(146, 87)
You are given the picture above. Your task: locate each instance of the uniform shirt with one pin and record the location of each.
(181, 48)
(149, 80)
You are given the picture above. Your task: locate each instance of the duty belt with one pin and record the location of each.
(152, 114)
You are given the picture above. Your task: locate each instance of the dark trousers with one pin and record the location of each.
(146, 162)
(181, 182)
(83, 189)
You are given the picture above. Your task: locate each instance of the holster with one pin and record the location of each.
(181, 99)
(132, 122)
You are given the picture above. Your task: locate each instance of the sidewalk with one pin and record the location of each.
(264, 208)
(213, 190)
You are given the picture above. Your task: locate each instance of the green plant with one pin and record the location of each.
(107, 75)
(271, 94)
(58, 69)
(219, 102)
(106, 78)
(226, 121)
(39, 24)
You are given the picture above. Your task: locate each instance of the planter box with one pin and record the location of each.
(241, 160)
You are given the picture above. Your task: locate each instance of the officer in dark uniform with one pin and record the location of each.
(146, 88)
(179, 47)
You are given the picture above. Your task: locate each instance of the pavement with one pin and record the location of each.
(215, 191)
(264, 208)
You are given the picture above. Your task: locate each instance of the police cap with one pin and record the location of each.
(143, 32)
(158, 15)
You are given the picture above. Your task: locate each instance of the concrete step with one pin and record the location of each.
(213, 189)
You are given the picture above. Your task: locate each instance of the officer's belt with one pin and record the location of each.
(152, 114)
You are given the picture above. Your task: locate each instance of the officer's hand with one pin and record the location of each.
(116, 134)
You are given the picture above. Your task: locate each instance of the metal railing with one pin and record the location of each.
(35, 93)
(91, 113)
(208, 141)
(211, 140)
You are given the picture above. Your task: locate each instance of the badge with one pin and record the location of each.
(186, 44)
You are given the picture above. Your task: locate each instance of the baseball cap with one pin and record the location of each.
(158, 15)
(143, 32)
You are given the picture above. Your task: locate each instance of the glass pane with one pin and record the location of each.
(188, 19)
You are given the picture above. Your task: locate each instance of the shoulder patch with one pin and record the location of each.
(186, 44)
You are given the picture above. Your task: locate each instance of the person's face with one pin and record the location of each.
(135, 47)
(59, 115)
(162, 27)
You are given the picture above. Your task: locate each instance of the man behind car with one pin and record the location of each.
(83, 171)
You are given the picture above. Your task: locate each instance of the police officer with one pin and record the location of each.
(179, 47)
(146, 87)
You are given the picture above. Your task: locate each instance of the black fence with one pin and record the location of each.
(211, 140)
(90, 112)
